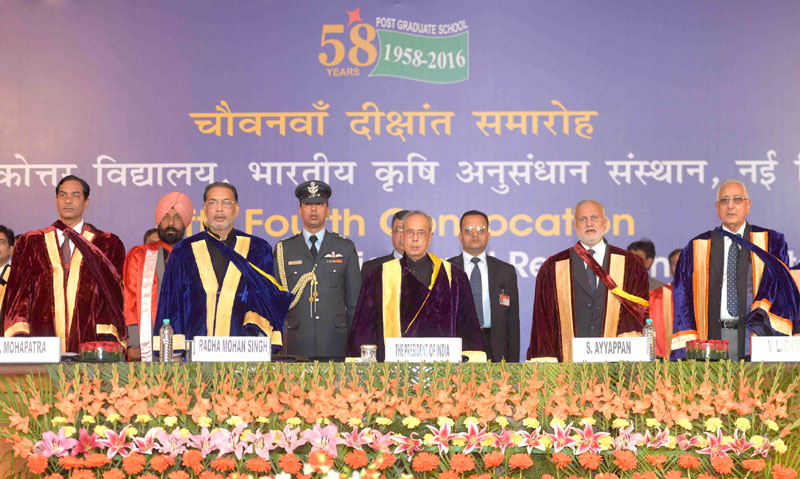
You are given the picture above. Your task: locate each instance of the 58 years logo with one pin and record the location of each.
(428, 52)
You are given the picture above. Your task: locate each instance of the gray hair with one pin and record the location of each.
(731, 181)
(418, 213)
(583, 202)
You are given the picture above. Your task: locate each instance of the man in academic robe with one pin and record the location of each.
(661, 310)
(732, 281)
(6, 250)
(418, 295)
(397, 246)
(66, 279)
(320, 268)
(144, 270)
(494, 289)
(592, 289)
(217, 282)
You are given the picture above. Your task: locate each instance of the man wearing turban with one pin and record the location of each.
(144, 270)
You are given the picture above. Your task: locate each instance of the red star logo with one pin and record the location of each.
(354, 16)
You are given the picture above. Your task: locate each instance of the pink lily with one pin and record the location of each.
(146, 444)
(86, 442)
(740, 444)
(533, 439)
(442, 437)
(409, 444)
(380, 441)
(628, 441)
(231, 441)
(202, 442)
(356, 439)
(289, 442)
(116, 443)
(561, 438)
(262, 443)
(715, 446)
(324, 439)
(589, 440)
(763, 451)
(686, 442)
(53, 444)
(660, 439)
(503, 440)
(473, 436)
(172, 444)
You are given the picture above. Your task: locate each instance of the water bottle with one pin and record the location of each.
(166, 342)
(649, 332)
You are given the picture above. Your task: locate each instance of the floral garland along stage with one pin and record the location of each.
(610, 421)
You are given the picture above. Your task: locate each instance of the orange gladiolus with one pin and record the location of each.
(223, 464)
(688, 461)
(780, 472)
(722, 464)
(462, 463)
(356, 459)
(37, 464)
(520, 461)
(590, 461)
(258, 465)
(161, 463)
(625, 460)
(18, 422)
(754, 465)
(134, 463)
(561, 460)
(290, 463)
(115, 473)
(425, 462)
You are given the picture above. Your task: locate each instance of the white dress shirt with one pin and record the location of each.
(723, 304)
(599, 254)
(78, 229)
(484, 269)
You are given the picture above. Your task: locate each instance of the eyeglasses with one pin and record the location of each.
(737, 200)
(477, 229)
(415, 233)
(585, 219)
(397, 230)
(227, 204)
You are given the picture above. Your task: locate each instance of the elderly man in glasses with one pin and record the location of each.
(217, 282)
(418, 295)
(494, 288)
(590, 290)
(732, 281)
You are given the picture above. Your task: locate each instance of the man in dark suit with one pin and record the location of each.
(397, 244)
(726, 275)
(494, 288)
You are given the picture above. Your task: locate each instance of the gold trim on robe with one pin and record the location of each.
(566, 319)
(219, 307)
(616, 269)
(702, 262)
(666, 302)
(251, 317)
(779, 324)
(759, 239)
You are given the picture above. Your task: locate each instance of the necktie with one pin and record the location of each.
(591, 276)
(65, 252)
(313, 239)
(731, 279)
(477, 288)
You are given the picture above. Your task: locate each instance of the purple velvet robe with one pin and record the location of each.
(448, 312)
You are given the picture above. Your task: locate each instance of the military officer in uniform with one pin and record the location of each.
(321, 269)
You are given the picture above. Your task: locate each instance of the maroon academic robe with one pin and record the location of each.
(554, 323)
(444, 310)
(40, 301)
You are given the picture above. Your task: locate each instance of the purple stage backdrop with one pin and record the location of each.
(517, 108)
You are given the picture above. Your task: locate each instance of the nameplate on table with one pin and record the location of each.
(609, 350)
(423, 350)
(30, 350)
(233, 349)
(775, 349)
